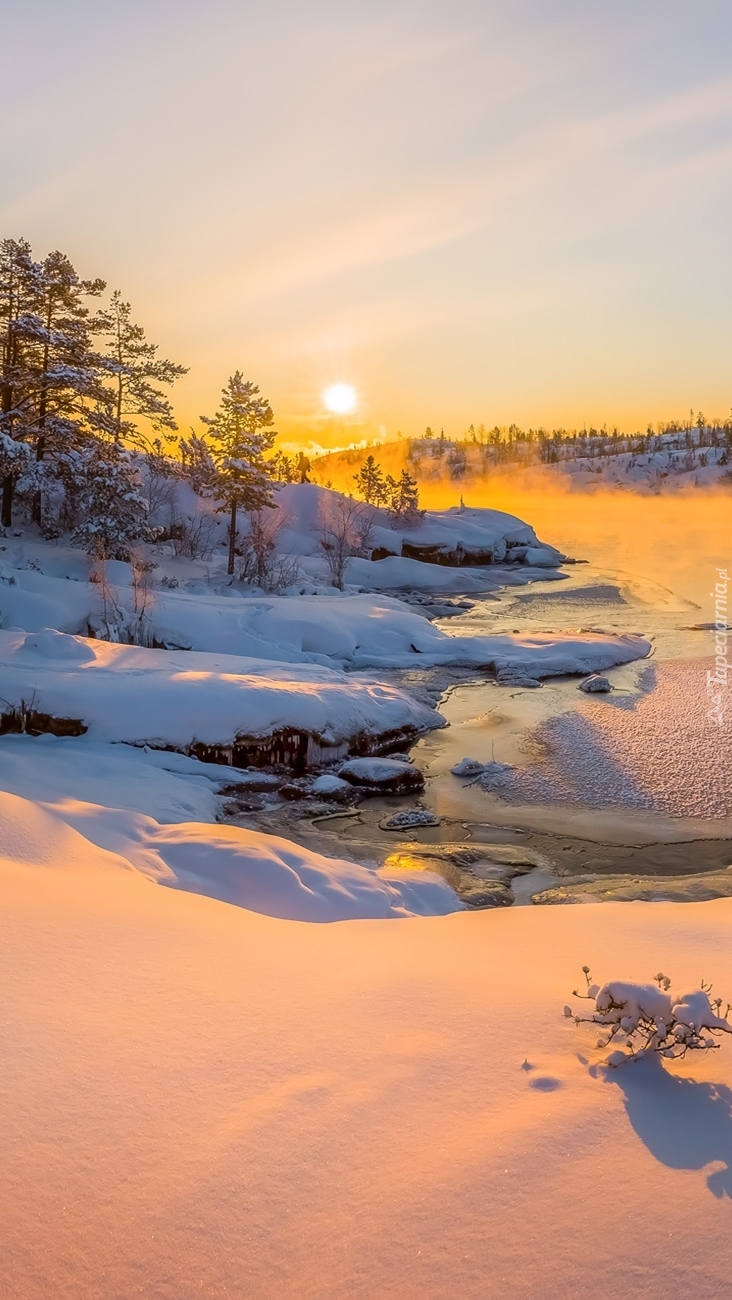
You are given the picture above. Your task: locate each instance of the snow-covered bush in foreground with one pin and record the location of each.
(648, 1018)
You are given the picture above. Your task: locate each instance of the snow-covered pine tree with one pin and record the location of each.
(49, 373)
(403, 498)
(105, 484)
(242, 433)
(283, 467)
(19, 299)
(67, 369)
(198, 464)
(370, 482)
(17, 465)
(136, 373)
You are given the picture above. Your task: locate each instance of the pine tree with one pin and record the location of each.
(198, 464)
(136, 373)
(67, 370)
(19, 298)
(50, 374)
(242, 433)
(370, 482)
(403, 498)
(105, 485)
(17, 467)
(283, 467)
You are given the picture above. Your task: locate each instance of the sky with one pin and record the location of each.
(469, 211)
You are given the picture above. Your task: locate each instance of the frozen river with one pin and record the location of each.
(631, 789)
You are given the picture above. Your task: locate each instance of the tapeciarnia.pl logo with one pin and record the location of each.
(717, 681)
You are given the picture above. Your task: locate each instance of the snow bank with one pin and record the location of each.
(34, 600)
(262, 873)
(168, 786)
(366, 632)
(125, 693)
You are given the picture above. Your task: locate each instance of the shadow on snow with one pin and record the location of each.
(684, 1124)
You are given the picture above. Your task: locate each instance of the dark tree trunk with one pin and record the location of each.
(6, 518)
(37, 502)
(43, 409)
(232, 538)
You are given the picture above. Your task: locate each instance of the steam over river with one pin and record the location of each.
(627, 794)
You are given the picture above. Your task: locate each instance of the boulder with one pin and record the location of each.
(332, 787)
(382, 775)
(595, 684)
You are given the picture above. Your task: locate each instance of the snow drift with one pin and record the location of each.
(263, 873)
(188, 701)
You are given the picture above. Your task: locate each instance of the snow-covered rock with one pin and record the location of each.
(409, 819)
(458, 537)
(382, 774)
(468, 767)
(595, 684)
(329, 786)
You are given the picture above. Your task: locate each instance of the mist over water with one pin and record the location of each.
(668, 542)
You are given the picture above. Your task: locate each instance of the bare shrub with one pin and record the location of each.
(194, 536)
(260, 563)
(161, 493)
(650, 1019)
(345, 529)
(114, 622)
(111, 625)
(139, 625)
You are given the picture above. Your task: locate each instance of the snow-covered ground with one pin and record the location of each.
(205, 1099)
(199, 1100)
(160, 697)
(262, 873)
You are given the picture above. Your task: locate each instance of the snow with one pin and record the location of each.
(409, 819)
(693, 1009)
(341, 630)
(126, 693)
(304, 507)
(221, 1056)
(262, 873)
(97, 789)
(633, 1001)
(202, 1100)
(168, 786)
(331, 787)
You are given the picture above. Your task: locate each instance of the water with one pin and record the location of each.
(619, 796)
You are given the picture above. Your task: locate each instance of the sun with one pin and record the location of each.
(340, 399)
